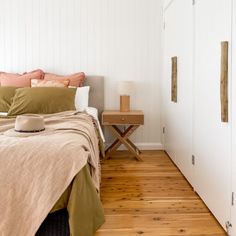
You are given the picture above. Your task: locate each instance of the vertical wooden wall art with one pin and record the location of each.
(224, 81)
(174, 79)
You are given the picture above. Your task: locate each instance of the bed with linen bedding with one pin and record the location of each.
(56, 169)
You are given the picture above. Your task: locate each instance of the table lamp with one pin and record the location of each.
(125, 88)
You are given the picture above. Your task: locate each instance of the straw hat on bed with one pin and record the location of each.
(27, 125)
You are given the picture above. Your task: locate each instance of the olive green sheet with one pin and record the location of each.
(83, 204)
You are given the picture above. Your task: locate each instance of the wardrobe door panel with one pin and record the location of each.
(212, 137)
(233, 105)
(177, 87)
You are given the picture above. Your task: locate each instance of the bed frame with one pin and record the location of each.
(96, 94)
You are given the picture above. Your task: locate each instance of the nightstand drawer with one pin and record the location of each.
(122, 119)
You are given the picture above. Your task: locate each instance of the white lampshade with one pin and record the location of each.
(125, 87)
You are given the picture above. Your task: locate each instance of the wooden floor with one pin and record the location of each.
(151, 198)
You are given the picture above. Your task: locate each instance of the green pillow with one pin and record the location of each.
(46, 100)
(6, 97)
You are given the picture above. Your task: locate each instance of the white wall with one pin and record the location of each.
(167, 3)
(120, 39)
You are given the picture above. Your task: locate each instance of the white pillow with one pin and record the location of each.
(82, 98)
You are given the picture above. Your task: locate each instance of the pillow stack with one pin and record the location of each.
(38, 78)
(42, 93)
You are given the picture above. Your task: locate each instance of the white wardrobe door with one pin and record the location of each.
(178, 40)
(233, 216)
(212, 138)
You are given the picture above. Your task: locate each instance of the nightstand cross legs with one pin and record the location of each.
(122, 138)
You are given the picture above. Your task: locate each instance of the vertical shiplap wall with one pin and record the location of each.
(119, 39)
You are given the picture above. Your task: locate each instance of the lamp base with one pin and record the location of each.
(124, 103)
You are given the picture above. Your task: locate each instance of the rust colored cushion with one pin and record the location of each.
(76, 80)
(9, 75)
(18, 80)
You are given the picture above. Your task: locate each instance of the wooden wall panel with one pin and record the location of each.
(119, 39)
(224, 82)
(174, 74)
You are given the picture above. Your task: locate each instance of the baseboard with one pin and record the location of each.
(143, 146)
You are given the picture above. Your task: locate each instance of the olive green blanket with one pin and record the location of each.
(83, 205)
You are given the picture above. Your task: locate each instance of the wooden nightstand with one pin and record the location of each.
(113, 119)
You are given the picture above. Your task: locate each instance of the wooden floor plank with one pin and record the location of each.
(151, 198)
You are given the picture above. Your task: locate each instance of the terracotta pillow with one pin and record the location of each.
(49, 83)
(4, 75)
(8, 75)
(17, 80)
(35, 74)
(76, 80)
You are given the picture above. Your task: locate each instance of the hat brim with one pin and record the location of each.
(14, 133)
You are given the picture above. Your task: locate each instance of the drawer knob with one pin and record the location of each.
(122, 118)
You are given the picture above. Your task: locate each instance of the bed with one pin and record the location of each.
(42, 175)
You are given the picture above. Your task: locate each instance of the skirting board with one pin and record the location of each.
(143, 146)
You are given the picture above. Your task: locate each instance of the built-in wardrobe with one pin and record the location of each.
(199, 99)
